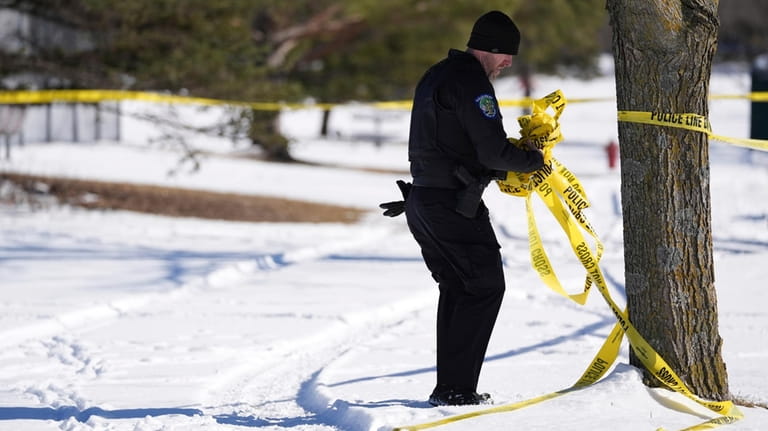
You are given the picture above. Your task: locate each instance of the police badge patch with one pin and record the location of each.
(487, 105)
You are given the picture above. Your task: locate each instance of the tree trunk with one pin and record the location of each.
(324, 124)
(265, 133)
(663, 51)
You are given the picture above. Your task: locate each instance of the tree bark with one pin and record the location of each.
(663, 52)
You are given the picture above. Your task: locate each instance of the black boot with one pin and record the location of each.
(444, 395)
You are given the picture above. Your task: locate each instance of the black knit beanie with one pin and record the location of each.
(495, 32)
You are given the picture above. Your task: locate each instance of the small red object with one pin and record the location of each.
(612, 150)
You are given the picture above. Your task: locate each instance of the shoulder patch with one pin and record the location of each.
(487, 105)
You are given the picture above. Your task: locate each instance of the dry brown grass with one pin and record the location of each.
(182, 202)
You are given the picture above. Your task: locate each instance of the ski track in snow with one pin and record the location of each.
(285, 393)
(102, 312)
(277, 386)
(265, 386)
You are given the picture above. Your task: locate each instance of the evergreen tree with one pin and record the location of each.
(272, 50)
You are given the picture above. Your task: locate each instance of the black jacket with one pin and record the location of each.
(455, 120)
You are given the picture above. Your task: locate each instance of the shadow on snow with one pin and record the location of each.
(66, 412)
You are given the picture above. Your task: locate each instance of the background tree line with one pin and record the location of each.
(271, 50)
(329, 50)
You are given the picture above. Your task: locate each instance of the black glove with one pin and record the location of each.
(395, 208)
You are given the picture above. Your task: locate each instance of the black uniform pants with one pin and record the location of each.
(463, 256)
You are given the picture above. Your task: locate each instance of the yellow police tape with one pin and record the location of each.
(687, 121)
(95, 96)
(564, 195)
(755, 96)
(30, 97)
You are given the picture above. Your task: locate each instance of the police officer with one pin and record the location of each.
(457, 145)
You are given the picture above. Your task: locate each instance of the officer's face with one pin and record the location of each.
(494, 63)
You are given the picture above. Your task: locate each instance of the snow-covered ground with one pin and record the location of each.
(113, 320)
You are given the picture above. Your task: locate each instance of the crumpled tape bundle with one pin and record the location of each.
(543, 130)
